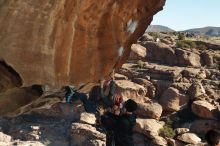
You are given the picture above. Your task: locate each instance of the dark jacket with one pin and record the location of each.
(121, 126)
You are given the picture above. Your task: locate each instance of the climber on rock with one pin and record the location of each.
(73, 95)
(110, 99)
(120, 127)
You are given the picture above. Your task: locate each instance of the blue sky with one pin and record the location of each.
(186, 14)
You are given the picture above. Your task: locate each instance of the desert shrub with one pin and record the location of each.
(186, 44)
(167, 130)
(140, 63)
(181, 36)
(155, 35)
(191, 44)
(202, 47)
(181, 44)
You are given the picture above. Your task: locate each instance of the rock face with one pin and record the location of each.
(203, 109)
(189, 138)
(83, 134)
(132, 90)
(161, 53)
(138, 52)
(172, 100)
(148, 127)
(149, 110)
(69, 41)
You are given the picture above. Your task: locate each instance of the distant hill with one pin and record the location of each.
(209, 31)
(159, 28)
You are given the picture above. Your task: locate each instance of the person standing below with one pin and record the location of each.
(120, 126)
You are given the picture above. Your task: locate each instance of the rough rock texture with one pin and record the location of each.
(172, 100)
(149, 110)
(190, 138)
(87, 118)
(138, 52)
(148, 127)
(203, 109)
(5, 138)
(181, 130)
(82, 134)
(196, 90)
(70, 41)
(151, 128)
(22, 96)
(188, 58)
(132, 90)
(202, 126)
(161, 53)
(147, 85)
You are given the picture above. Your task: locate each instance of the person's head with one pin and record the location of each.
(213, 138)
(130, 105)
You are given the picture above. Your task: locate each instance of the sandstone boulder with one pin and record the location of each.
(87, 118)
(149, 110)
(147, 85)
(146, 37)
(82, 134)
(25, 143)
(189, 138)
(163, 72)
(131, 90)
(138, 52)
(148, 127)
(161, 86)
(181, 130)
(196, 90)
(191, 73)
(174, 142)
(159, 141)
(172, 100)
(203, 109)
(94, 142)
(5, 138)
(200, 127)
(187, 58)
(160, 52)
(120, 77)
(207, 58)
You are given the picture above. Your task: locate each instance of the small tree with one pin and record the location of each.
(181, 36)
(167, 130)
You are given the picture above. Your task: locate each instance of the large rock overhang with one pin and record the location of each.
(58, 42)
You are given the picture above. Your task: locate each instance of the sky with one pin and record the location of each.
(187, 14)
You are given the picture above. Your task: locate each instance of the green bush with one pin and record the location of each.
(181, 44)
(186, 44)
(155, 35)
(167, 130)
(202, 47)
(140, 63)
(181, 36)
